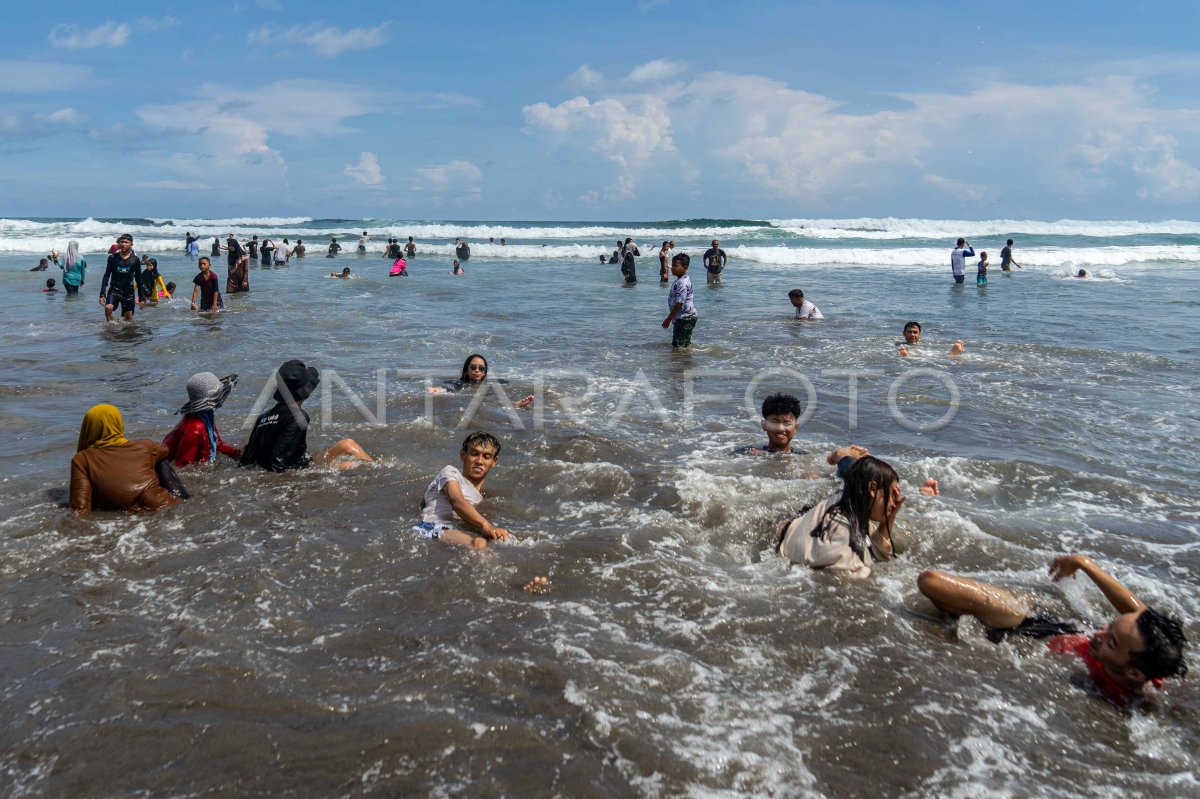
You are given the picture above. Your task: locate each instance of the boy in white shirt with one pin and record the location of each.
(451, 498)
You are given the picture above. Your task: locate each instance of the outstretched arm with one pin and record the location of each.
(1113, 589)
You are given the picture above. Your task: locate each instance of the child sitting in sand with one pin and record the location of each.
(451, 498)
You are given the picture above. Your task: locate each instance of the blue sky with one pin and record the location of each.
(646, 110)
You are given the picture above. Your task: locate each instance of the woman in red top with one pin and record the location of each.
(195, 438)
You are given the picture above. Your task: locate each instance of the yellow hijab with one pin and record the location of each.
(102, 427)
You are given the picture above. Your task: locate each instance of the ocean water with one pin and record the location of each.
(286, 634)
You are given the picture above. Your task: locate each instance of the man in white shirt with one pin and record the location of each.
(958, 259)
(804, 308)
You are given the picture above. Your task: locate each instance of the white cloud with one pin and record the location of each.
(172, 185)
(228, 130)
(366, 171)
(762, 139)
(629, 132)
(153, 24)
(325, 41)
(41, 76)
(461, 178)
(16, 126)
(657, 70)
(584, 78)
(71, 37)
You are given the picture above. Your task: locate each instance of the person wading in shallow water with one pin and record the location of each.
(124, 269)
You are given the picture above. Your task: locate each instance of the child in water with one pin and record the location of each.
(451, 498)
(166, 295)
(399, 268)
(458, 270)
(49, 286)
(981, 275)
(345, 273)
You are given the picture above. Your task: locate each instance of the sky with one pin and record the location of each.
(632, 111)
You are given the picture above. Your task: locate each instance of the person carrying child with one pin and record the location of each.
(451, 497)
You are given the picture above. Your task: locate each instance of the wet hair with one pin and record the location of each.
(917, 325)
(983, 255)
(204, 259)
(665, 243)
(1163, 655)
(170, 288)
(961, 242)
(50, 283)
(1082, 273)
(796, 293)
(856, 500)
(465, 377)
(781, 403)
(483, 439)
(681, 258)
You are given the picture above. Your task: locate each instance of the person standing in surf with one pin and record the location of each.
(74, 268)
(627, 257)
(334, 248)
(1006, 259)
(958, 259)
(714, 262)
(664, 262)
(363, 240)
(124, 269)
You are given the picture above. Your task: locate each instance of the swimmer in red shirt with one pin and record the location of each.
(1141, 645)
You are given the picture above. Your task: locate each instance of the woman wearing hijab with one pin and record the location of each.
(239, 263)
(195, 438)
(109, 472)
(279, 440)
(73, 267)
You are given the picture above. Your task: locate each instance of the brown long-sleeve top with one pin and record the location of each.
(119, 478)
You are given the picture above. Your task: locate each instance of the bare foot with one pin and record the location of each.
(930, 489)
(538, 585)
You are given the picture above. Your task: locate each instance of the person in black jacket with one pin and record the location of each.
(279, 440)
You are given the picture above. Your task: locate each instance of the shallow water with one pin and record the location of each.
(285, 634)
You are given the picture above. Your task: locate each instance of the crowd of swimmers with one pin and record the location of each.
(852, 531)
